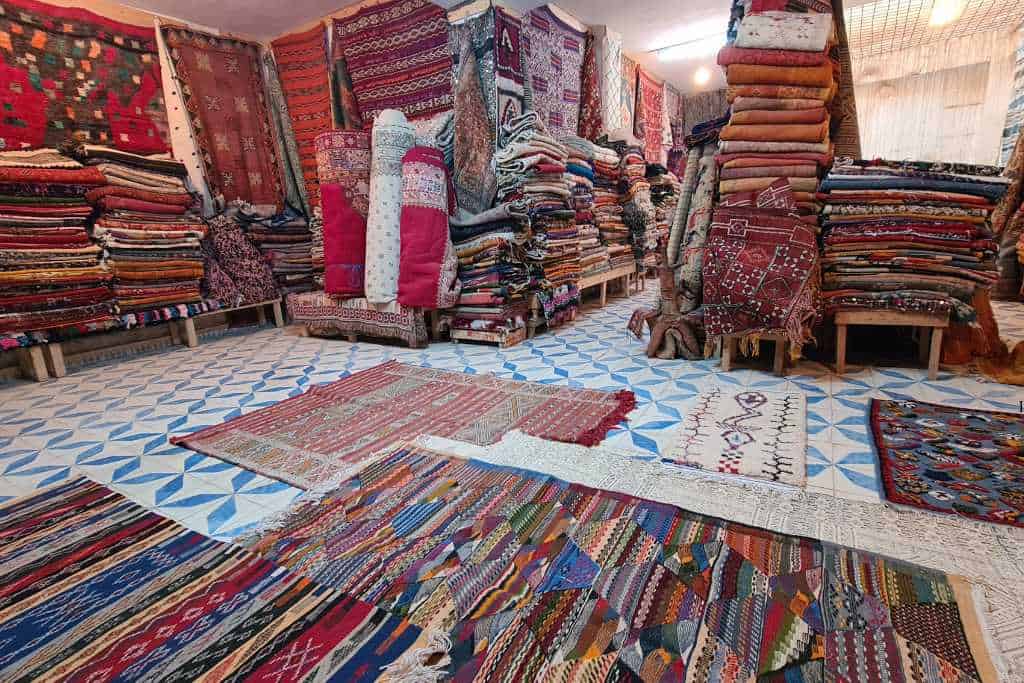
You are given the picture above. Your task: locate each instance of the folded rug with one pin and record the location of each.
(314, 440)
(778, 30)
(778, 92)
(820, 75)
(344, 234)
(777, 116)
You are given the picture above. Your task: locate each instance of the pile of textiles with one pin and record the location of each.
(608, 209)
(531, 167)
(761, 270)
(637, 207)
(909, 236)
(580, 169)
(235, 271)
(782, 82)
(51, 277)
(286, 242)
(150, 226)
(496, 273)
(665, 196)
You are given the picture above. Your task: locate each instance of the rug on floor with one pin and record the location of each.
(534, 578)
(315, 440)
(752, 433)
(95, 587)
(951, 459)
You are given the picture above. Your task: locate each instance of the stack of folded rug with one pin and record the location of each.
(51, 279)
(286, 242)
(781, 84)
(495, 272)
(665, 196)
(909, 236)
(637, 207)
(531, 166)
(608, 208)
(580, 169)
(149, 224)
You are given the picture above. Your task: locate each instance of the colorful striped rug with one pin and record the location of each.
(95, 588)
(316, 440)
(533, 578)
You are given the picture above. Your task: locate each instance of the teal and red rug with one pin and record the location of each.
(951, 460)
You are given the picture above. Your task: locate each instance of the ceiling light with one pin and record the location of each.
(693, 49)
(701, 76)
(946, 12)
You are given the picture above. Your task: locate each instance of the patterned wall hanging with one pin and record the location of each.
(628, 92)
(649, 100)
(393, 136)
(509, 66)
(591, 113)
(397, 57)
(477, 34)
(68, 72)
(554, 61)
(302, 68)
(222, 85)
(343, 97)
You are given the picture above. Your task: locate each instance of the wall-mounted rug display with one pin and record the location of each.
(287, 149)
(554, 64)
(608, 53)
(751, 433)
(67, 72)
(627, 93)
(397, 57)
(477, 34)
(950, 459)
(313, 439)
(302, 69)
(392, 138)
(649, 95)
(509, 66)
(222, 86)
(98, 587)
(344, 105)
(474, 178)
(533, 578)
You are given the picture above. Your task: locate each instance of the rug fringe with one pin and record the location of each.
(412, 666)
(626, 401)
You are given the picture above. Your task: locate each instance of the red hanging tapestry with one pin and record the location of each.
(591, 124)
(302, 67)
(650, 109)
(222, 86)
(397, 57)
(66, 72)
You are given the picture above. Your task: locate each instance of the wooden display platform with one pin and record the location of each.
(186, 327)
(502, 339)
(730, 351)
(624, 276)
(930, 327)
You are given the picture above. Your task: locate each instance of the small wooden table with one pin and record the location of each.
(929, 350)
(729, 351)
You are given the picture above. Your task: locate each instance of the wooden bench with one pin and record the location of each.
(503, 339)
(186, 327)
(730, 351)
(623, 276)
(930, 327)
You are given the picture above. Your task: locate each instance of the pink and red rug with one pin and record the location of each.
(315, 440)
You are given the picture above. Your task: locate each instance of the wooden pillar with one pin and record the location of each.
(54, 354)
(189, 326)
(33, 364)
(728, 352)
(840, 349)
(278, 313)
(781, 351)
(936, 353)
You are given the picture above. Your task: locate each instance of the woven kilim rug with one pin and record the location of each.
(950, 459)
(94, 587)
(533, 578)
(314, 440)
(751, 433)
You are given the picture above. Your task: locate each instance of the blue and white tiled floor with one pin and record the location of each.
(111, 422)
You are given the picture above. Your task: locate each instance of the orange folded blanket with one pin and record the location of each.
(746, 74)
(773, 104)
(782, 92)
(816, 132)
(762, 116)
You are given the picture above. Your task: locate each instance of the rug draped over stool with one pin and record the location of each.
(311, 440)
(534, 578)
(750, 433)
(948, 459)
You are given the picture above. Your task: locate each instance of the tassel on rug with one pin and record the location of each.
(412, 667)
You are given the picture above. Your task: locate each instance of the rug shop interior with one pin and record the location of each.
(415, 341)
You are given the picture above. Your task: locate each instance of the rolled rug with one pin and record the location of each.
(392, 137)
(344, 243)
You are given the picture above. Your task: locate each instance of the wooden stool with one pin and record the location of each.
(729, 351)
(928, 352)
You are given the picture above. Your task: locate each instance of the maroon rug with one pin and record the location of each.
(315, 440)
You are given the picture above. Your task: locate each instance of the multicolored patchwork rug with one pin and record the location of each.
(752, 433)
(315, 440)
(94, 587)
(533, 578)
(953, 460)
